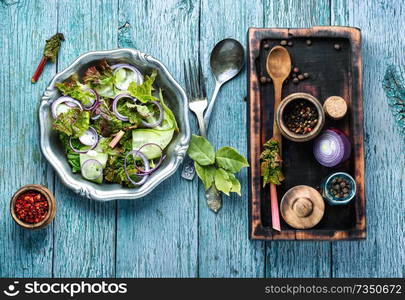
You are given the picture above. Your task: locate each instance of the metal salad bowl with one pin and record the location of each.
(175, 98)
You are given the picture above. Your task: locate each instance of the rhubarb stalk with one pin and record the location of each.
(50, 54)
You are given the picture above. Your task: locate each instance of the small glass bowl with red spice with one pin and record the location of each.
(33, 206)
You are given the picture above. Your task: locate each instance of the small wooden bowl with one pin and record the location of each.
(51, 206)
(292, 136)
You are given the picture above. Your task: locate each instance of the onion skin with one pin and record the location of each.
(340, 148)
(95, 102)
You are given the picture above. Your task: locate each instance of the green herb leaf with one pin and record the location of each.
(235, 183)
(201, 151)
(229, 159)
(143, 92)
(222, 181)
(52, 47)
(206, 174)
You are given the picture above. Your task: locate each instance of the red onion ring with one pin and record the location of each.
(90, 133)
(159, 121)
(139, 79)
(64, 99)
(93, 101)
(146, 163)
(83, 151)
(114, 106)
(162, 158)
(95, 112)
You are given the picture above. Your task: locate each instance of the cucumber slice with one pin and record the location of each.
(141, 137)
(92, 170)
(93, 154)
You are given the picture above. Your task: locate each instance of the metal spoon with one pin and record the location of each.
(227, 59)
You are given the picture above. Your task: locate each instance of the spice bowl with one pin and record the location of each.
(327, 188)
(24, 194)
(300, 117)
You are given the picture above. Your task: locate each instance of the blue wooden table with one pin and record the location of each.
(171, 233)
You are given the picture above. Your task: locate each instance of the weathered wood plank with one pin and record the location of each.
(285, 259)
(383, 253)
(84, 229)
(224, 247)
(157, 235)
(24, 26)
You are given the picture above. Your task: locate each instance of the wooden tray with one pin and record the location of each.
(331, 72)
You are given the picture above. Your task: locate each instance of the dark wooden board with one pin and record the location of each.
(332, 73)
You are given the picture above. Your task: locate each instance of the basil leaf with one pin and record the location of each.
(206, 174)
(235, 183)
(229, 159)
(222, 181)
(201, 151)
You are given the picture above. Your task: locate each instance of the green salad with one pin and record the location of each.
(113, 124)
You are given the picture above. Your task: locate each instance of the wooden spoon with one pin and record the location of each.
(278, 66)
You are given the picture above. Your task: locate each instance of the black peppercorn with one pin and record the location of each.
(263, 79)
(301, 77)
(268, 79)
(306, 75)
(337, 47)
(266, 46)
(290, 43)
(309, 42)
(295, 80)
(296, 70)
(283, 43)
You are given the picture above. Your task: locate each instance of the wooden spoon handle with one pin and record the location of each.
(277, 99)
(275, 216)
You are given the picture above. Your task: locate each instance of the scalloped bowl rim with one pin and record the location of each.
(93, 190)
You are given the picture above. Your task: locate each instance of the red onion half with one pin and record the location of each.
(145, 162)
(69, 101)
(331, 148)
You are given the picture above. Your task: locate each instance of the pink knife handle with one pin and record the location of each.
(275, 216)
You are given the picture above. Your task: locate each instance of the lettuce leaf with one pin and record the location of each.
(72, 157)
(143, 92)
(73, 88)
(101, 78)
(73, 123)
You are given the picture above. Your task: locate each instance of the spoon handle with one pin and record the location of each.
(208, 112)
(275, 215)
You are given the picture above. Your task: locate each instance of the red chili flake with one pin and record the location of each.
(31, 207)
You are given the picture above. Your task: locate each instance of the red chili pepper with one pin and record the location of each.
(31, 207)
